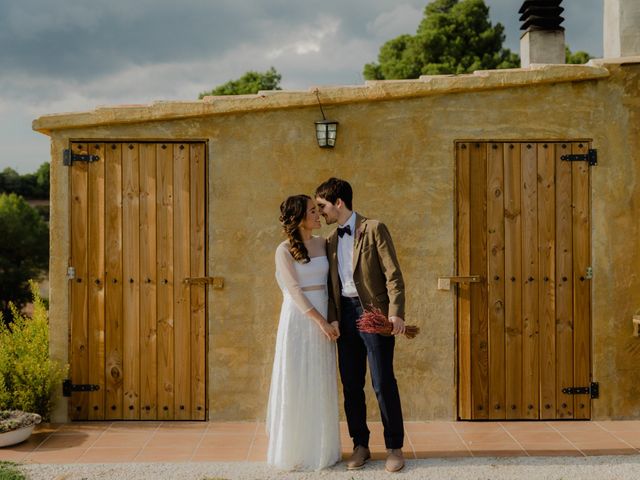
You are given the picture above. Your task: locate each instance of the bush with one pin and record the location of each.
(24, 250)
(28, 376)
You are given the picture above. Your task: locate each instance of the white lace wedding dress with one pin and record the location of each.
(302, 416)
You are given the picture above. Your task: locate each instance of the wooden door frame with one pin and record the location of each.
(455, 144)
(69, 225)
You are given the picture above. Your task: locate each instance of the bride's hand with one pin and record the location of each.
(336, 327)
(329, 331)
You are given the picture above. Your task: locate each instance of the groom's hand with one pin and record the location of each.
(398, 325)
(336, 327)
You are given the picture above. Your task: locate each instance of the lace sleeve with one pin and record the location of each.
(288, 278)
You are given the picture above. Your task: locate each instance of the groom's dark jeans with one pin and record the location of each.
(354, 348)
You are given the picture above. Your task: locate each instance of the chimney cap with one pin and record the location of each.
(539, 3)
(541, 15)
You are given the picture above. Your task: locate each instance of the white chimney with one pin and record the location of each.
(621, 28)
(543, 37)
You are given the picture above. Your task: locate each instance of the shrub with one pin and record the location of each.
(28, 376)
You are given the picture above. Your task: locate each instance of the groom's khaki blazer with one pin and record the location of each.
(376, 272)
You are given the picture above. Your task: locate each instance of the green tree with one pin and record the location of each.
(250, 82)
(579, 57)
(31, 185)
(24, 250)
(455, 36)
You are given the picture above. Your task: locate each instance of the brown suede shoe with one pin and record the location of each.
(358, 458)
(395, 460)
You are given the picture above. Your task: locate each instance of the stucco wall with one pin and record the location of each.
(399, 156)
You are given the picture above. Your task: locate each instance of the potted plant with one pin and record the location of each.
(16, 426)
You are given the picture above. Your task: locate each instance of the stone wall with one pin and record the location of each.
(396, 146)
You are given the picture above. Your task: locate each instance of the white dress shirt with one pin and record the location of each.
(345, 258)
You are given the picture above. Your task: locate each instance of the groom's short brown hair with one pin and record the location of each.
(334, 189)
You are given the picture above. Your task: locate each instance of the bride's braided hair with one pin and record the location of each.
(292, 212)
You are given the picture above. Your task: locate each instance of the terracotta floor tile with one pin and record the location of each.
(226, 441)
(430, 438)
(83, 427)
(7, 455)
(168, 439)
(620, 425)
(227, 454)
(422, 452)
(235, 428)
(109, 455)
(538, 437)
(58, 441)
(181, 448)
(428, 427)
(631, 437)
(484, 427)
(593, 436)
(177, 454)
(135, 426)
(575, 426)
(597, 450)
(132, 439)
(486, 437)
(527, 427)
(64, 455)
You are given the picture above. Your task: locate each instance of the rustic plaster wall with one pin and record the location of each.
(396, 146)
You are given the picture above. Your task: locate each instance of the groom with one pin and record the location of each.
(364, 272)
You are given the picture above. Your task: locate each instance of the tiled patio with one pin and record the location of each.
(201, 441)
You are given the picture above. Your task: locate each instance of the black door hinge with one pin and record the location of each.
(68, 157)
(593, 390)
(68, 388)
(591, 156)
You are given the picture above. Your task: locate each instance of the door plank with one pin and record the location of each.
(181, 291)
(96, 280)
(465, 408)
(513, 280)
(582, 286)
(80, 371)
(198, 299)
(495, 279)
(564, 283)
(546, 285)
(113, 281)
(148, 277)
(131, 278)
(479, 300)
(530, 271)
(165, 313)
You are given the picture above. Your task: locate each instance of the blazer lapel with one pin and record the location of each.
(332, 254)
(361, 226)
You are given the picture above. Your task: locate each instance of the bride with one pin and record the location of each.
(302, 416)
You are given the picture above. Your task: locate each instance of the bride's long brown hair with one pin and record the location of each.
(292, 213)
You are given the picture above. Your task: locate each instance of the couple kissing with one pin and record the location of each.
(326, 284)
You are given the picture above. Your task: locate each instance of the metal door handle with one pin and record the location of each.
(444, 283)
(217, 282)
(463, 279)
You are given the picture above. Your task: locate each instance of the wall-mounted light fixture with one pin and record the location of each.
(326, 130)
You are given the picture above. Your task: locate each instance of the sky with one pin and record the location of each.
(75, 55)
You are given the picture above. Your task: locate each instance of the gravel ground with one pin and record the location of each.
(621, 467)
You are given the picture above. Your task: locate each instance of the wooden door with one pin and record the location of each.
(523, 225)
(137, 329)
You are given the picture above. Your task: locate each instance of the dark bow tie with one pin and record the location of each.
(343, 230)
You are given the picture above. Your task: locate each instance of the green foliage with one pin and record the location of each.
(578, 58)
(24, 249)
(8, 471)
(455, 36)
(251, 82)
(28, 376)
(32, 185)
